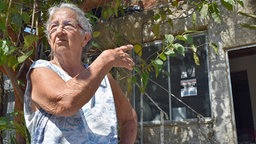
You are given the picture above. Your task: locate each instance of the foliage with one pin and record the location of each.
(11, 22)
(8, 124)
(171, 43)
(246, 25)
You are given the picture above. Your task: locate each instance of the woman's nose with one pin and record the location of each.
(60, 30)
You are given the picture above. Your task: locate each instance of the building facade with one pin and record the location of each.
(211, 102)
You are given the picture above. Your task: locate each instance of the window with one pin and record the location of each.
(180, 77)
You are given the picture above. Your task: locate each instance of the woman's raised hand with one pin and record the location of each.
(119, 57)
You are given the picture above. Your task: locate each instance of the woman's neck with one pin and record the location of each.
(71, 67)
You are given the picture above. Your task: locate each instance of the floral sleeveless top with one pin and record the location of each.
(94, 123)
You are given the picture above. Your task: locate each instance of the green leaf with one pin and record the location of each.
(11, 50)
(247, 14)
(170, 52)
(25, 56)
(3, 121)
(196, 58)
(163, 16)
(144, 81)
(204, 10)
(133, 79)
(106, 13)
(175, 3)
(186, 38)
(228, 4)
(96, 34)
(94, 44)
(116, 7)
(2, 58)
(194, 18)
(240, 2)
(145, 76)
(11, 61)
(180, 48)
(158, 62)
(25, 17)
(7, 48)
(138, 49)
(137, 69)
(21, 83)
(2, 5)
(216, 17)
(17, 20)
(189, 39)
(4, 47)
(92, 17)
(181, 37)
(190, 32)
(249, 26)
(170, 22)
(215, 12)
(29, 40)
(214, 46)
(157, 69)
(157, 16)
(2, 25)
(156, 29)
(169, 38)
(162, 56)
(193, 47)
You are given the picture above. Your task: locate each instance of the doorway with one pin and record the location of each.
(242, 64)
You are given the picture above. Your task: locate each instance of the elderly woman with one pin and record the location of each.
(68, 102)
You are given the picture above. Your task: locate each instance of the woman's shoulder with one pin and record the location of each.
(40, 63)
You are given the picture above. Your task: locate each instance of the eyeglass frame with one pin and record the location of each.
(64, 24)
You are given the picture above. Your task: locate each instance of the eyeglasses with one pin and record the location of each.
(67, 25)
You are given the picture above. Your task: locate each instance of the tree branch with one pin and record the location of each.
(11, 75)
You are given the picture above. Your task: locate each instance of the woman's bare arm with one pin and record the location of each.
(126, 115)
(62, 98)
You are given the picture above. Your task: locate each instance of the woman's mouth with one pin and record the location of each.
(61, 40)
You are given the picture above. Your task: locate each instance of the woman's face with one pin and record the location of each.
(64, 33)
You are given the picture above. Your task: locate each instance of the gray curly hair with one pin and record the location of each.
(80, 17)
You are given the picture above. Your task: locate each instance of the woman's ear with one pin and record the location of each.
(87, 38)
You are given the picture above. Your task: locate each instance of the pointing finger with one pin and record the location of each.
(126, 47)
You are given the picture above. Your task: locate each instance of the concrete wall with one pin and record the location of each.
(220, 128)
(227, 35)
(189, 132)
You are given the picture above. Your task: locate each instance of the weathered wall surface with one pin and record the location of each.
(229, 34)
(220, 128)
(180, 133)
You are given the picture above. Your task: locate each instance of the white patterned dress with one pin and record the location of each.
(94, 123)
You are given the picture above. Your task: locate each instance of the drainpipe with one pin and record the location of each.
(162, 128)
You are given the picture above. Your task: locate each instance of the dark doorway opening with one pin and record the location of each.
(240, 73)
(242, 106)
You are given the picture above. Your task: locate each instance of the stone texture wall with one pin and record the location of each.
(229, 34)
(180, 133)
